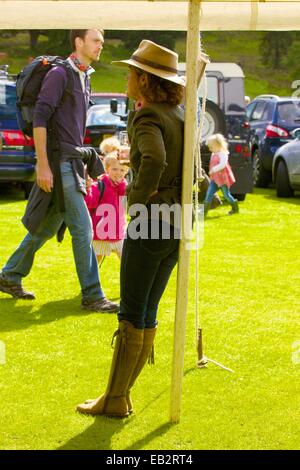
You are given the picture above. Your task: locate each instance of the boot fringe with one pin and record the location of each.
(151, 356)
(116, 333)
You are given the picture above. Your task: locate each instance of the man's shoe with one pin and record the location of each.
(16, 290)
(100, 305)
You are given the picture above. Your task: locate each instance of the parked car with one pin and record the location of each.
(101, 122)
(17, 155)
(272, 120)
(286, 167)
(226, 113)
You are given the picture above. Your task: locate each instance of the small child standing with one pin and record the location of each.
(220, 173)
(104, 201)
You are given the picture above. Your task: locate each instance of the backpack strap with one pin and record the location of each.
(69, 88)
(101, 187)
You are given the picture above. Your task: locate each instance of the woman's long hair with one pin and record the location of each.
(158, 90)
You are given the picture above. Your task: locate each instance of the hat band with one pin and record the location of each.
(153, 64)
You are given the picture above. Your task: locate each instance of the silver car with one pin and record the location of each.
(286, 167)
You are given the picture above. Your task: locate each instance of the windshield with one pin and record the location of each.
(289, 113)
(7, 101)
(101, 115)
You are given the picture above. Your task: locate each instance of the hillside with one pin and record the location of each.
(243, 48)
(240, 47)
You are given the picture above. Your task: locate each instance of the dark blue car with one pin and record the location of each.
(271, 119)
(17, 155)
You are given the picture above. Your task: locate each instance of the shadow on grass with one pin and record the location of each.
(271, 195)
(98, 436)
(17, 317)
(159, 431)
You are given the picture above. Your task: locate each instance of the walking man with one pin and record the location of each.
(60, 185)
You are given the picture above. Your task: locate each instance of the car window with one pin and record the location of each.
(258, 111)
(249, 109)
(101, 115)
(105, 100)
(7, 101)
(289, 113)
(234, 96)
(267, 112)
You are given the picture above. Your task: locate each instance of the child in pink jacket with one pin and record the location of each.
(220, 173)
(105, 201)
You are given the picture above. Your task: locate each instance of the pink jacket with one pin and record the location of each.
(108, 216)
(223, 176)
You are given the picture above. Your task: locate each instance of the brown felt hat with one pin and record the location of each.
(155, 59)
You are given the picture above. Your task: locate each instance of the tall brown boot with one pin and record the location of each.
(149, 335)
(129, 343)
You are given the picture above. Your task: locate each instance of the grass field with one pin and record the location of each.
(58, 355)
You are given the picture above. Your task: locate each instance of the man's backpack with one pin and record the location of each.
(28, 85)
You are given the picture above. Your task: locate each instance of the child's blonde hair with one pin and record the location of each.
(111, 144)
(218, 139)
(109, 159)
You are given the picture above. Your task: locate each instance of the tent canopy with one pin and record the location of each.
(149, 14)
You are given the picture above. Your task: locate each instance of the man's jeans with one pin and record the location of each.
(213, 188)
(78, 221)
(146, 266)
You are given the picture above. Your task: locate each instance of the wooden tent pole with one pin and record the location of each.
(190, 139)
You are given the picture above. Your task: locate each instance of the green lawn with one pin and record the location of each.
(58, 355)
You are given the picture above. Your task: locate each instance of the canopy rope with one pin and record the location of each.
(198, 178)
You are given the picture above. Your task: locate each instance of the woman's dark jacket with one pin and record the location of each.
(156, 154)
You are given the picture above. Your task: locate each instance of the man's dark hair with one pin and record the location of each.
(79, 33)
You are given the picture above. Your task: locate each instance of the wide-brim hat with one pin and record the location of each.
(155, 59)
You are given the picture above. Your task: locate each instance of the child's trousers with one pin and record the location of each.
(213, 188)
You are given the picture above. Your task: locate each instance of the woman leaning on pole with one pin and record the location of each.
(156, 155)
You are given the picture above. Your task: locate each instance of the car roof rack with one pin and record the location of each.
(267, 97)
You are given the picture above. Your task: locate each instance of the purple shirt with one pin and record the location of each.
(71, 113)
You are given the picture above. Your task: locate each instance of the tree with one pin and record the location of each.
(57, 44)
(274, 47)
(131, 39)
(34, 36)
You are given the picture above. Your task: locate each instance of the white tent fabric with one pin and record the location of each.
(149, 15)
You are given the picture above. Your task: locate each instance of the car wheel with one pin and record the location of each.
(261, 177)
(214, 120)
(282, 182)
(27, 188)
(239, 197)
